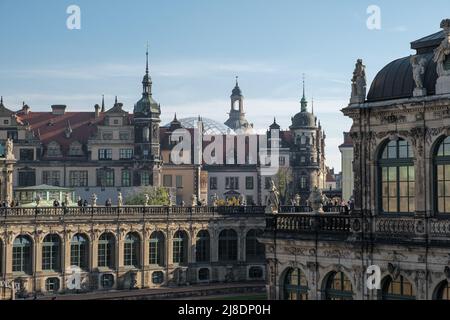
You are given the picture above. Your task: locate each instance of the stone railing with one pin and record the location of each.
(137, 211)
(309, 223)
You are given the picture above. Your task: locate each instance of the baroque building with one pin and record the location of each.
(399, 225)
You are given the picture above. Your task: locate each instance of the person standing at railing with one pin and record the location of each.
(56, 203)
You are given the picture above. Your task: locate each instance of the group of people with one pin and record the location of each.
(12, 204)
(85, 203)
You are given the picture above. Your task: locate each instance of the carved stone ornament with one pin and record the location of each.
(359, 83)
(441, 57)
(419, 66)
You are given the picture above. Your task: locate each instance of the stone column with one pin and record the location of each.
(241, 244)
(214, 245)
(65, 253)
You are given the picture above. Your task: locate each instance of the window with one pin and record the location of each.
(105, 178)
(213, 183)
(126, 178)
(267, 183)
(107, 281)
(75, 149)
(255, 250)
(131, 250)
(53, 149)
(124, 136)
(295, 285)
(51, 253)
(157, 277)
(106, 250)
(179, 182)
(12, 134)
(397, 177)
(232, 183)
(180, 247)
(51, 178)
(202, 247)
(6, 122)
(443, 291)
(105, 154)
(52, 284)
(398, 289)
(26, 154)
(78, 178)
(145, 178)
(338, 287)
(228, 245)
(282, 161)
(167, 181)
(27, 178)
(302, 159)
(126, 154)
(157, 248)
(249, 183)
(107, 136)
(442, 169)
(79, 251)
(22, 255)
(255, 273)
(303, 182)
(203, 274)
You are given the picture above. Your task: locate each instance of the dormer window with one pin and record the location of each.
(107, 136)
(76, 149)
(53, 149)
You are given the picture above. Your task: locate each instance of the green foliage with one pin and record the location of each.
(282, 180)
(158, 196)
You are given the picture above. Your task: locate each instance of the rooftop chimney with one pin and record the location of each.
(97, 111)
(58, 109)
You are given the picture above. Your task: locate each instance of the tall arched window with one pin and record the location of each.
(79, 251)
(338, 287)
(254, 250)
(51, 253)
(131, 250)
(443, 291)
(295, 285)
(22, 255)
(106, 250)
(202, 247)
(228, 243)
(180, 244)
(397, 177)
(398, 289)
(157, 248)
(442, 163)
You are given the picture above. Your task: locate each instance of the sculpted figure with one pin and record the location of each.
(418, 70)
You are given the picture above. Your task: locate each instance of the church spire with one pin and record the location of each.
(147, 81)
(304, 102)
(103, 103)
(146, 65)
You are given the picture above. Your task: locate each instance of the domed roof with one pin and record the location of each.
(210, 127)
(146, 105)
(395, 81)
(303, 119)
(236, 91)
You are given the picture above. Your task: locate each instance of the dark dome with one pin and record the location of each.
(303, 119)
(395, 81)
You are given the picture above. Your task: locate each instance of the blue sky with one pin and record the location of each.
(196, 49)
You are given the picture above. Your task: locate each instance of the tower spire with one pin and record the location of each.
(1, 100)
(146, 64)
(115, 102)
(237, 83)
(103, 103)
(304, 102)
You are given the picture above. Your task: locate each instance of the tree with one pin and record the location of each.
(158, 196)
(282, 180)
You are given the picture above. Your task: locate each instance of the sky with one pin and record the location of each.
(196, 49)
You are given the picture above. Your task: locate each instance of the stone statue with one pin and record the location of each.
(9, 149)
(38, 200)
(441, 56)
(66, 199)
(297, 200)
(418, 70)
(194, 200)
(146, 200)
(169, 199)
(273, 200)
(241, 200)
(94, 200)
(119, 199)
(214, 199)
(316, 200)
(359, 83)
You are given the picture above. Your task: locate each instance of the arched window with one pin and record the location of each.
(397, 175)
(398, 289)
(131, 250)
(51, 253)
(79, 251)
(22, 255)
(443, 291)
(295, 285)
(106, 250)
(202, 247)
(180, 243)
(338, 287)
(157, 248)
(254, 250)
(228, 245)
(442, 164)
